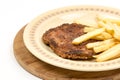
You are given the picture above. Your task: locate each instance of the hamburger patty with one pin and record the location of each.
(60, 41)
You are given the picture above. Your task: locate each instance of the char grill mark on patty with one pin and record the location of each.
(60, 41)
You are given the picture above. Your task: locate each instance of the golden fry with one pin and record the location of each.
(103, 47)
(107, 30)
(106, 35)
(109, 54)
(88, 29)
(116, 32)
(103, 36)
(94, 44)
(108, 27)
(116, 21)
(108, 19)
(99, 43)
(88, 36)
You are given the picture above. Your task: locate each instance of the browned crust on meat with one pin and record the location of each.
(60, 41)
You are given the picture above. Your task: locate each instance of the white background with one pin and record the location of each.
(14, 14)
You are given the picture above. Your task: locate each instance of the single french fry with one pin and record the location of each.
(95, 56)
(106, 44)
(100, 17)
(104, 47)
(99, 43)
(88, 29)
(103, 36)
(110, 19)
(108, 27)
(87, 36)
(99, 37)
(94, 44)
(116, 21)
(111, 53)
(106, 35)
(116, 32)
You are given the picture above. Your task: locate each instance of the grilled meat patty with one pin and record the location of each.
(60, 41)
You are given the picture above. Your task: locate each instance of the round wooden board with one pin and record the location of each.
(48, 72)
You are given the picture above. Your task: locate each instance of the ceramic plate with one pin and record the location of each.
(35, 29)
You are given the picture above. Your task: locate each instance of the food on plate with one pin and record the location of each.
(111, 53)
(88, 36)
(110, 19)
(116, 34)
(60, 40)
(83, 41)
(107, 26)
(108, 46)
(88, 29)
(100, 45)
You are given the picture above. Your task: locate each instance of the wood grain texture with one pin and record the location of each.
(48, 72)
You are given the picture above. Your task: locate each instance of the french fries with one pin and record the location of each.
(88, 36)
(103, 36)
(111, 20)
(94, 44)
(109, 54)
(116, 32)
(99, 43)
(104, 47)
(88, 29)
(108, 28)
(108, 32)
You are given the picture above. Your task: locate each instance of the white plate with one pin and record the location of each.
(35, 29)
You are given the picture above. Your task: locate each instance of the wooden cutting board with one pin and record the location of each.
(48, 72)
